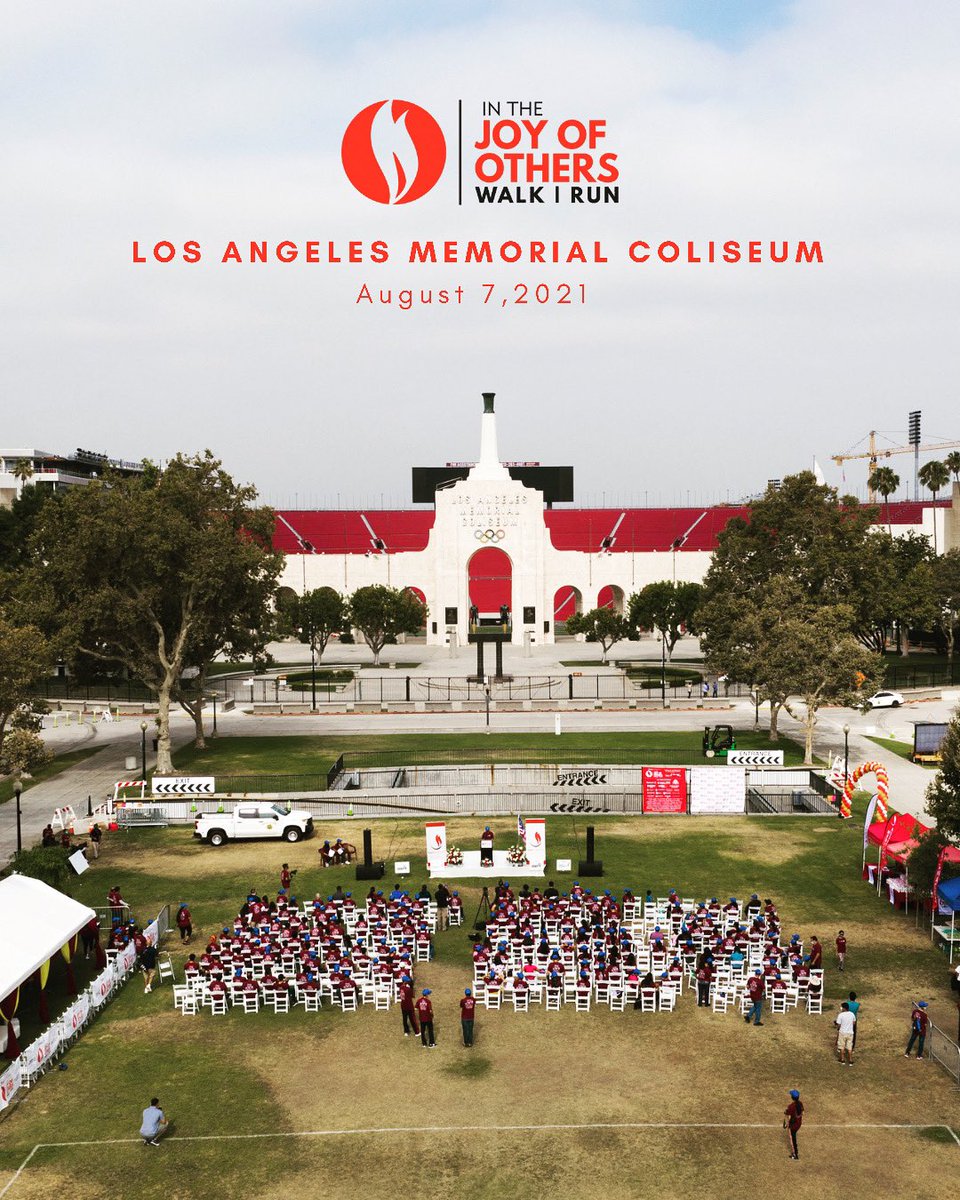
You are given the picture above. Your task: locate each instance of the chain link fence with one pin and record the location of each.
(945, 1051)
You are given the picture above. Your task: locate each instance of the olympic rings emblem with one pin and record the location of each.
(489, 535)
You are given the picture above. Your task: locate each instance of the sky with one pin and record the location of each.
(670, 383)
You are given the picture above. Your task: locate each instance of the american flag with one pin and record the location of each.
(521, 828)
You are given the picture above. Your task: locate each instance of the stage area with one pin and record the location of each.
(500, 869)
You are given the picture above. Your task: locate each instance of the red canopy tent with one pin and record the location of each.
(903, 829)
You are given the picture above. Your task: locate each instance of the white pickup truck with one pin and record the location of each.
(254, 819)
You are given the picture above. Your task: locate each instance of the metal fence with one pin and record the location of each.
(906, 676)
(795, 802)
(945, 1051)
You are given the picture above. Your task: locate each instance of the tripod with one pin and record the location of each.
(483, 910)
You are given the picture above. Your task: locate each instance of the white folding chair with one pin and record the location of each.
(180, 992)
(455, 916)
(381, 1000)
(165, 968)
(218, 1004)
(668, 997)
(423, 951)
(648, 1000)
(189, 1004)
(521, 1000)
(814, 1002)
(348, 1000)
(311, 1001)
(279, 999)
(778, 1002)
(554, 999)
(722, 998)
(745, 1004)
(582, 1000)
(602, 990)
(492, 997)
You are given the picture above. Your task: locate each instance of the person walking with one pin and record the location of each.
(96, 837)
(286, 877)
(184, 924)
(704, 979)
(425, 1015)
(468, 1007)
(846, 1023)
(841, 950)
(919, 1023)
(854, 1005)
(756, 991)
(148, 960)
(407, 1008)
(442, 900)
(793, 1119)
(153, 1123)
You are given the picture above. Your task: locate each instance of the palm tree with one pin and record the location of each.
(952, 463)
(23, 470)
(884, 480)
(934, 476)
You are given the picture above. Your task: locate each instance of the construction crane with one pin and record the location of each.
(874, 454)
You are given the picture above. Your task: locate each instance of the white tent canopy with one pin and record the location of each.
(35, 922)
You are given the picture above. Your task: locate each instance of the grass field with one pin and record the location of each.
(558, 1105)
(305, 753)
(901, 749)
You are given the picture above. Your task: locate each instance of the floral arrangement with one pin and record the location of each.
(454, 856)
(517, 855)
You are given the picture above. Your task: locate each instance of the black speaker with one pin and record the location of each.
(367, 847)
(590, 853)
(588, 866)
(369, 869)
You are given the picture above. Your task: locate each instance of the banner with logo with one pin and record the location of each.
(152, 933)
(10, 1082)
(102, 986)
(124, 961)
(664, 789)
(537, 841)
(76, 1016)
(36, 1056)
(436, 834)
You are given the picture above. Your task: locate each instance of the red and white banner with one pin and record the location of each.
(125, 960)
(664, 789)
(102, 986)
(436, 832)
(10, 1083)
(37, 1054)
(152, 933)
(537, 841)
(76, 1016)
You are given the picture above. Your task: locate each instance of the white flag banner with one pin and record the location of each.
(10, 1082)
(436, 832)
(871, 809)
(76, 1016)
(123, 963)
(537, 841)
(152, 933)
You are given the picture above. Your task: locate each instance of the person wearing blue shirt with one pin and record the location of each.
(153, 1123)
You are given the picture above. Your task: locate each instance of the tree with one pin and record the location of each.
(943, 794)
(603, 625)
(320, 614)
(952, 463)
(380, 613)
(944, 596)
(48, 864)
(923, 859)
(934, 476)
(885, 480)
(670, 608)
(23, 470)
(154, 573)
(25, 659)
(17, 524)
(22, 750)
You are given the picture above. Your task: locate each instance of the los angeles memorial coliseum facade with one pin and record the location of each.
(490, 534)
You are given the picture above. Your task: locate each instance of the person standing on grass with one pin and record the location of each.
(286, 877)
(854, 1005)
(184, 924)
(468, 1007)
(442, 900)
(841, 950)
(919, 1023)
(148, 960)
(407, 1008)
(755, 990)
(846, 1024)
(704, 979)
(96, 837)
(793, 1119)
(153, 1123)
(425, 1015)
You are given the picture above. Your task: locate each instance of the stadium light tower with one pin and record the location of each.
(913, 439)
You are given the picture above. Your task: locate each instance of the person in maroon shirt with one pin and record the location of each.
(184, 923)
(815, 956)
(425, 1014)
(407, 1007)
(467, 1009)
(286, 877)
(841, 950)
(755, 989)
(704, 979)
(793, 1119)
(919, 1021)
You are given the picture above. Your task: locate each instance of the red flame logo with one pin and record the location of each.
(437, 841)
(393, 152)
(537, 839)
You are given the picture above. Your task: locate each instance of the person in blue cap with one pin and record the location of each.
(425, 1014)
(793, 1119)
(919, 1023)
(468, 1006)
(486, 847)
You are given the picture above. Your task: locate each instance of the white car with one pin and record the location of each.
(254, 819)
(885, 700)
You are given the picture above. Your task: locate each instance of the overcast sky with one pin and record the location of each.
(177, 120)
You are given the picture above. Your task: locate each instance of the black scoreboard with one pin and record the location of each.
(556, 483)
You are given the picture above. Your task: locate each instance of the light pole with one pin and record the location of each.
(663, 670)
(313, 672)
(143, 750)
(214, 714)
(486, 691)
(17, 789)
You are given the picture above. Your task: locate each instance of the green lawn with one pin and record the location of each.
(901, 749)
(49, 770)
(266, 1075)
(308, 754)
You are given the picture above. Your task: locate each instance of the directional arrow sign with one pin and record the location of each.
(754, 758)
(183, 785)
